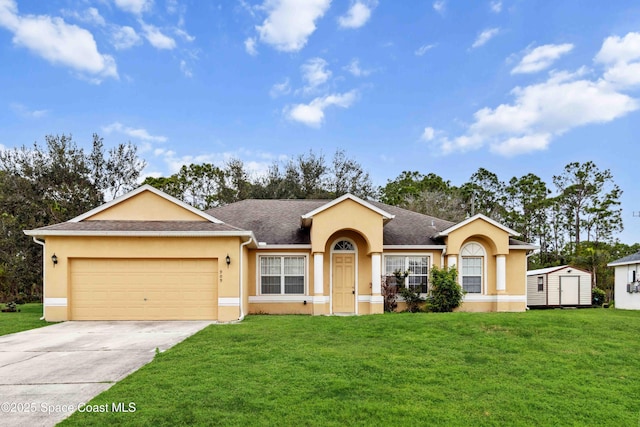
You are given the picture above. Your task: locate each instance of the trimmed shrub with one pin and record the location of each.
(445, 294)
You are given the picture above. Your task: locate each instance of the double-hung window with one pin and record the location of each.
(282, 275)
(540, 283)
(472, 274)
(472, 268)
(416, 266)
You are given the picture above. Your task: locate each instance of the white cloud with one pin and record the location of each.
(485, 36)
(541, 112)
(290, 22)
(27, 113)
(522, 145)
(496, 6)
(141, 134)
(312, 114)
(250, 46)
(186, 70)
(315, 73)
(134, 6)
(357, 15)
(541, 58)
(182, 33)
(156, 38)
(124, 37)
(619, 49)
(57, 42)
(172, 6)
(89, 16)
(354, 68)
(622, 57)
(428, 134)
(624, 75)
(280, 89)
(424, 49)
(439, 6)
(255, 163)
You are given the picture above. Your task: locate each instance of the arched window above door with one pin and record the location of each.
(344, 245)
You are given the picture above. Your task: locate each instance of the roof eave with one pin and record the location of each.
(113, 233)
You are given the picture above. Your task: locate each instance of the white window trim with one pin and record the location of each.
(538, 283)
(407, 255)
(483, 284)
(282, 254)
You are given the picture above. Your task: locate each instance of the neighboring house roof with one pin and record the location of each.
(279, 221)
(137, 191)
(629, 259)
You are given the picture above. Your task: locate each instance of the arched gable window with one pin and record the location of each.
(472, 272)
(344, 245)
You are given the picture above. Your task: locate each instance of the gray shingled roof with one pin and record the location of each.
(278, 221)
(132, 226)
(629, 259)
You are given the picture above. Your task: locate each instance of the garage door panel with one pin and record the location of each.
(143, 289)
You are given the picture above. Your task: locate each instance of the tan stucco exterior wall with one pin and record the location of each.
(499, 239)
(495, 241)
(347, 215)
(517, 272)
(146, 206)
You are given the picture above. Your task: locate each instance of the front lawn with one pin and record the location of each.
(554, 367)
(28, 318)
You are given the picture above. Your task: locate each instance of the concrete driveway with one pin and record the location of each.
(46, 373)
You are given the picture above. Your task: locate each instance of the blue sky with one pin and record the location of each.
(445, 86)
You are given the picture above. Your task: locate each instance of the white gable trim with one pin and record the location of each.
(476, 217)
(556, 269)
(308, 217)
(139, 190)
(541, 271)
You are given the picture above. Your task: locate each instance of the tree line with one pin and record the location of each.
(573, 219)
(51, 183)
(306, 176)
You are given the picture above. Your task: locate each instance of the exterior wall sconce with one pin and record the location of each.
(228, 260)
(54, 259)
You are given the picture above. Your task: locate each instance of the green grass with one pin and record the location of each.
(28, 318)
(556, 367)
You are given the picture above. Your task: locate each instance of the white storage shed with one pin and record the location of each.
(561, 286)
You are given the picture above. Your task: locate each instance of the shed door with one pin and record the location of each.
(569, 290)
(143, 289)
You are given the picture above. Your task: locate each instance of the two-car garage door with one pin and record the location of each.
(143, 289)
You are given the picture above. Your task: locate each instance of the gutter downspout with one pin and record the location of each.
(241, 276)
(44, 282)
